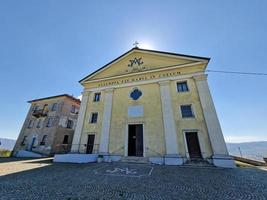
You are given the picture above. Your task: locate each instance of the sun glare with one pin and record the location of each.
(145, 45)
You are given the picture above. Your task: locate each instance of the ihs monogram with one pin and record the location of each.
(135, 63)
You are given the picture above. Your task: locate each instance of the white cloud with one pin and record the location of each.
(244, 138)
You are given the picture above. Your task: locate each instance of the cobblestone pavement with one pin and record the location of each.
(42, 179)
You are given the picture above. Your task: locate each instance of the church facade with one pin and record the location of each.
(153, 105)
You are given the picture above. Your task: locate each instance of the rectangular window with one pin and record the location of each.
(23, 141)
(97, 97)
(35, 108)
(30, 125)
(38, 123)
(66, 139)
(49, 122)
(45, 108)
(186, 111)
(182, 87)
(54, 107)
(72, 109)
(93, 118)
(69, 123)
(43, 140)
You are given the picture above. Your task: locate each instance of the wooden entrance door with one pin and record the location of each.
(193, 145)
(90, 144)
(135, 140)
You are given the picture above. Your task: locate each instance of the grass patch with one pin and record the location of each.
(5, 153)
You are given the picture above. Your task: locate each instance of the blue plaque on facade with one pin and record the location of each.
(136, 94)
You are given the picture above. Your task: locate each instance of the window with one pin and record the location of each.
(186, 111)
(93, 118)
(24, 141)
(136, 94)
(49, 122)
(182, 87)
(66, 139)
(30, 125)
(35, 108)
(97, 97)
(72, 109)
(54, 107)
(43, 140)
(38, 123)
(45, 108)
(69, 123)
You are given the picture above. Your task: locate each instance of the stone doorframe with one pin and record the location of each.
(127, 137)
(200, 140)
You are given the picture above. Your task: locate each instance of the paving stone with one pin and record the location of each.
(130, 181)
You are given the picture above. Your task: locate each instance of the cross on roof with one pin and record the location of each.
(135, 44)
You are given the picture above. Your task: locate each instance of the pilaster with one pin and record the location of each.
(220, 152)
(79, 127)
(172, 156)
(104, 138)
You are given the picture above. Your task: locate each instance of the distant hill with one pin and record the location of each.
(253, 150)
(7, 144)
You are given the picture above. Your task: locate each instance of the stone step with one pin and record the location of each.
(134, 159)
(198, 163)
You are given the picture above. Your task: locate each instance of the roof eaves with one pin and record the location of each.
(56, 96)
(147, 50)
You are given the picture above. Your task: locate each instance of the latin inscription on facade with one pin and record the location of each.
(140, 78)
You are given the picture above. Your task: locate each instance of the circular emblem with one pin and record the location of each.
(136, 94)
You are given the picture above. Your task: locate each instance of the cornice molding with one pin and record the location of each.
(138, 83)
(144, 72)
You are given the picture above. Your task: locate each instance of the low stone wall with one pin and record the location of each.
(249, 161)
(27, 154)
(75, 158)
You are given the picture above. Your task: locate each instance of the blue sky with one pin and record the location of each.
(48, 46)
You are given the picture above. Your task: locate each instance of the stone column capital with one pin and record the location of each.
(110, 90)
(85, 93)
(200, 77)
(164, 83)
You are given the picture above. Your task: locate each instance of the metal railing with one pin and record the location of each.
(40, 113)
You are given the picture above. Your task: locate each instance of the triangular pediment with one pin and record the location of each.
(141, 60)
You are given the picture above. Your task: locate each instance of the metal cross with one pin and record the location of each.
(135, 44)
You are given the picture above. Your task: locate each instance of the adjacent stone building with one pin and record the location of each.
(150, 105)
(49, 125)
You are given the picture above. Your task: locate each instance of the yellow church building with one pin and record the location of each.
(151, 106)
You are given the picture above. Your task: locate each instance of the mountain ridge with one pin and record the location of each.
(253, 150)
(7, 144)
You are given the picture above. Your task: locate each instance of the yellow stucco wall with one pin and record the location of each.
(151, 61)
(152, 119)
(187, 124)
(89, 128)
(154, 142)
